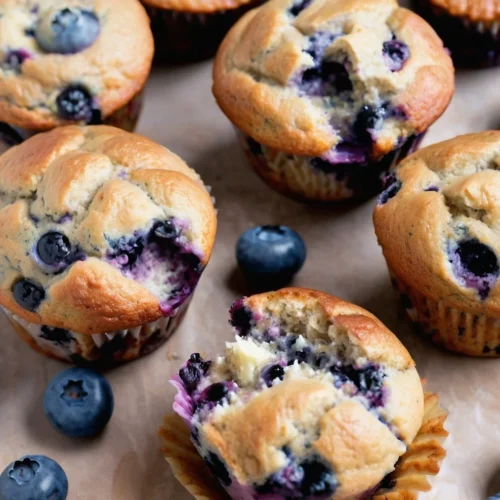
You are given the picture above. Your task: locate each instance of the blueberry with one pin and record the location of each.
(396, 53)
(369, 119)
(216, 392)
(318, 479)
(53, 248)
(477, 258)
(76, 103)
(57, 335)
(299, 6)
(67, 31)
(392, 186)
(218, 469)
(16, 58)
(241, 318)
(194, 370)
(270, 256)
(33, 477)
(271, 373)
(166, 230)
(28, 294)
(78, 402)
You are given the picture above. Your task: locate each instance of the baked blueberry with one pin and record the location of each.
(15, 58)
(270, 256)
(396, 53)
(28, 294)
(477, 258)
(218, 468)
(216, 392)
(369, 120)
(166, 229)
(76, 103)
(33, 477)
(67, 31)
(319, 480)
(78, 402)
(391, 186)
(241, 318)
(53, 248)
(272, 373)
(194, 370)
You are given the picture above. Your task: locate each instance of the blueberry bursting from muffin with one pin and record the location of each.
(285, 355)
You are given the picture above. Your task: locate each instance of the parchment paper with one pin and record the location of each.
(343, 259)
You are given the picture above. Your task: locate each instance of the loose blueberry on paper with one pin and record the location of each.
(33, 477)
(496, 496)
(270, 256)
(79, 402)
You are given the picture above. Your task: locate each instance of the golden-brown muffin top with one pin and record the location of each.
(475, 10)
(438, 222)
(311, 383)
(197, 6)
(100, 229)
(316, 77)
(69, 61)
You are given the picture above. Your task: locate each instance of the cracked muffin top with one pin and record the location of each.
(67, 61)
(438, 221)
(343, 77)
(475, 10)
(100, 229)
(316, 398)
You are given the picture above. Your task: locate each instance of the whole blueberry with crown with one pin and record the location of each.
(330, 123)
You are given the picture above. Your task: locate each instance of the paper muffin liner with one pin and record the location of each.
(297, 177)
(106, 348)
(411, 475)
(457, 330)
(190, 36)
(472, 44)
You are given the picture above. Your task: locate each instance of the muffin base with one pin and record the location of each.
(296, 177)
(422, 458)
(102, 349)
(190, 36)
(451, 328)
(472, 44)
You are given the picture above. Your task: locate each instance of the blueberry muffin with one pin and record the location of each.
(327, 95)
(192, 30)
(469, 28)
(314, 399)
(78, 61)
(438, 225)
(103, 237)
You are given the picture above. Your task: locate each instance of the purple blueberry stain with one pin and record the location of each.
(369, 120)
(16, 57)
(396, 53)
(474, 264)
(218, 469)
(241, 318)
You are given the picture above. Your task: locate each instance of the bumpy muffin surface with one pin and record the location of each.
(100, 229)
(197, 6)
(438, 222)
(314, 399)
(335, 77)
(475, 10)
(70, 60)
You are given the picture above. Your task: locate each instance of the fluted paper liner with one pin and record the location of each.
(422, 458)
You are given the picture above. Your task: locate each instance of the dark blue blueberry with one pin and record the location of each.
(194, 370)
(79, 402)
(319, 480)
(28, 294)
(369, 120)
(339, 376)
(270, 256)
(432, 188)
(391, 186)
(9, 136)
(68, 31)
(76, 103)
(57, 335)
(241, 318)
(166, 229)
(216, 392)
(298, 6)
(219, 470)
(396, 53)
(301, 356)
(272, 373)
(53, 248)
(477, 258)
(16, 58)
(33, 477)
(328, 78)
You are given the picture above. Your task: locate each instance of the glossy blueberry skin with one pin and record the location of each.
(68, 31)
(477, 258)
(33, 477)
(270, 256)
(28, 294)
(76, 103)
(53, 248)
(78, 402)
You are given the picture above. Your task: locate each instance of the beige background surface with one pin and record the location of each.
(344, 259)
